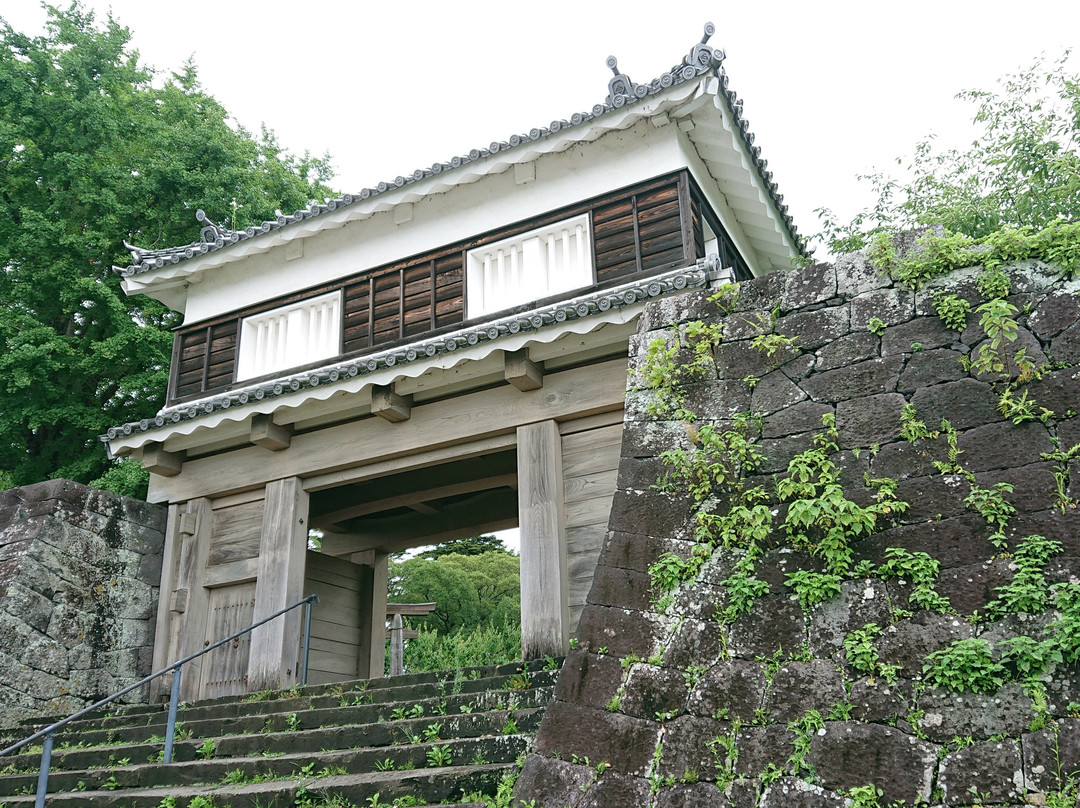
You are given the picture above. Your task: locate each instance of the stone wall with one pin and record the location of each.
(79, 570)
(703, 695)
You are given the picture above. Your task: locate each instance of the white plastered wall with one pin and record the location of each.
(614, 161)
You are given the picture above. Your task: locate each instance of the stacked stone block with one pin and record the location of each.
(672, 708)
(79, 570)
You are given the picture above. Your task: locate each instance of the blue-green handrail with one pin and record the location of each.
(174, 697)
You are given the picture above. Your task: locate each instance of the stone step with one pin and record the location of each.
(301, 718)
(437, 786)
(358, 741)
(342, 736)
(222, 769)
(428, 693)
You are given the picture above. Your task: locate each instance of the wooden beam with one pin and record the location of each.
(265, 433)
(412, 609)
(389, 405)
(545, 617)
(522, 372)
(346, 544)
(232, 572)
(427, 510)
(411, 499)
(417, 462)
(386, 530)
(158, 461)
(466, 419)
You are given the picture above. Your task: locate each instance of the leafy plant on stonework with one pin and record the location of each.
(438, 756)
(952, 311)
(1028, 658)
(965, 665)
(1061, 475)
(868, 796)
(719, 460)
(726, 298)
(1065, 630)
(1027, 592)
(812, 588)
(993, 282)
(717, 464)
(876, 326)
(725, 753)
(992, 357)
(952, 465)
(921, 570)
(862, 654)
(742, 589)
(666, 368)
(991, 505)
(804, 729)
(911, 428)
(821, 519)
(1019, 410)
(775, 346)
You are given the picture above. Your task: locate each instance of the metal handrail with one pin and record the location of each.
(174, 697)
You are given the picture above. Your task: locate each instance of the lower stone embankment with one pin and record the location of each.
(78, 593)
(844, 557)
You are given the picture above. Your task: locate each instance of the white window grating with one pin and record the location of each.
(529, 267)
(290, 336)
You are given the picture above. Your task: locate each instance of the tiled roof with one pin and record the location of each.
(622, 91)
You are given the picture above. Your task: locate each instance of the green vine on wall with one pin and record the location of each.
(1058, 244)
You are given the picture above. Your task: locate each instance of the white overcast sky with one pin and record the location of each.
(831, 89)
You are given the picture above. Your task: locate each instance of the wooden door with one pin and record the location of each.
(337, 636)
(224, 671)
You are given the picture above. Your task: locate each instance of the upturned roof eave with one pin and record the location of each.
(187, 270)
(627, 102)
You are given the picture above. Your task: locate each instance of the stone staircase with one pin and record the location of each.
(425, 739)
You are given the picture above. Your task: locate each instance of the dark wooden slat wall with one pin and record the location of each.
(643, 229)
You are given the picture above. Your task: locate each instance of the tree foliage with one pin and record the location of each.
(1021, 171)
(96, 149)
(470, 590)
(471, 545)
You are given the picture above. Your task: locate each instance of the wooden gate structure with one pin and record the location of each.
(439, 355)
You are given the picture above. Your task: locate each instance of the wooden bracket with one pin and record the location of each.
(158, 461)
(189, 523)
(521, 371)
(389, 405)
(179, 601)
(265, 433)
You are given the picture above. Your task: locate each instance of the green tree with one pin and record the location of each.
(469, 589)
(92, 153)
(1022, 170)
(472, 545)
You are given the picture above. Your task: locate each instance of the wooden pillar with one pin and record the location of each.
(170, 559)
(372, 662)
(397, 645)
(377, 654)
(182, 594)
(544, 612)
(275, 647)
